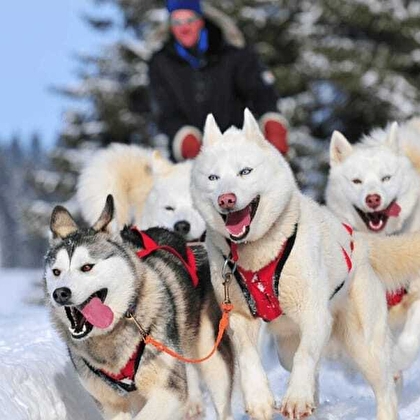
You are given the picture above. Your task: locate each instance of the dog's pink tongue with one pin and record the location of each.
(393, 210)
(98, 314)
(237, 221)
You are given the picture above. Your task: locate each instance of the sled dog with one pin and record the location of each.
(375, 187)
(148, 190)
(297, 267)
(94, 279)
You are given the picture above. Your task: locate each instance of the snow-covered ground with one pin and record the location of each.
(37, 380)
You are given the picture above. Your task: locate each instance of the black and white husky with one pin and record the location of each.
(94, 279)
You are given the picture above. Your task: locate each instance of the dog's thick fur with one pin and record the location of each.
(160, 293)
(148, 190)
(318, 314)
(385, 164)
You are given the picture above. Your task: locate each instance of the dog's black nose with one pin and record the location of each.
(182, 227)
(62, 295)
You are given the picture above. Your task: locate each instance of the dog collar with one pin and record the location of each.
(260, 288)
(123, 381)
(150, 246)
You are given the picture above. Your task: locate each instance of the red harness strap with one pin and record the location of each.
(260, 285)
(123, 381)
(151, 246)
(347, 257)
(394, 298)
(129, 370)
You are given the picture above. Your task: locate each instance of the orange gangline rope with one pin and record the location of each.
(223, 324)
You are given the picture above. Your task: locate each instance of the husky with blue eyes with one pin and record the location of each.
(295, 266)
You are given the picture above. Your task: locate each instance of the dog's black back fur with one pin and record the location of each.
(195, 296)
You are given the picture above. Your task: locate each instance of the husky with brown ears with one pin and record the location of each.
(96, 284)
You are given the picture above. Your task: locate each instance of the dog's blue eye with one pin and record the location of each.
(56, 272)
(169, 208)
(356, 181)
(87, 267)
(386, 178)
(245, 171)
(213, 177)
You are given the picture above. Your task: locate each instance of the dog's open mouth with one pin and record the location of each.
(377, 220)
(238, 222)
(91, 313)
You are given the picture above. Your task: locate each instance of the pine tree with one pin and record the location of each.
(19, 248)
(114, 80)
(273, 28)
(362, 59)
(35, 148)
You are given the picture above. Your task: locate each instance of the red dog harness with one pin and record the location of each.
(260, 288)
(151, 246)
(123, 381)
(347, 257)
(394, 298)
(129, 370)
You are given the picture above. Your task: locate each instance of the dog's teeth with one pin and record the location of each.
(77, 333)
(376, 226)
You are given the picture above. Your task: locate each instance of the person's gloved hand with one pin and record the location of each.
(274, 128)
(187, 143)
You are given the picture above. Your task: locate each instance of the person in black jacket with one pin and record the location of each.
(199, 71)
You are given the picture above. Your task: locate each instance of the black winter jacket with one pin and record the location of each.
(229, 80)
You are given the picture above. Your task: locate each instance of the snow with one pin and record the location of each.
(37, 380)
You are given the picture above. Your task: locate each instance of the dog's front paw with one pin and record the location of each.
(194, 409)
(260, 408)
(296, 406)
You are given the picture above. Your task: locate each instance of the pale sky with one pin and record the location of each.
(37, 46)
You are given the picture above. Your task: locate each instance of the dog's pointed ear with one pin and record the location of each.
(62, 223)
(340, 148)
(211, 132)
(251, 128)
(159, 164)
(106, 216)
(392, 137)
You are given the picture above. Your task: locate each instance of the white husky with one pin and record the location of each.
(148, 190)
(298, 267)
(375, 187)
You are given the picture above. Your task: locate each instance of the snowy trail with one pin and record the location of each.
(37, 380)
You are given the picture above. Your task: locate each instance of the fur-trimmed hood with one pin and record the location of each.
(230, 32)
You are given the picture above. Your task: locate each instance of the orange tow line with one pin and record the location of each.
(223, 324)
